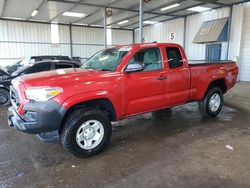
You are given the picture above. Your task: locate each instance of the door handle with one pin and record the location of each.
(162, 78)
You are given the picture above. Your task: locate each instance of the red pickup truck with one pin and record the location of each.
(78, 105)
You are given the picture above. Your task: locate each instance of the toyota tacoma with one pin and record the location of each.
(78, 105)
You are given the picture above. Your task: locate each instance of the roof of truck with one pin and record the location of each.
(149, 44)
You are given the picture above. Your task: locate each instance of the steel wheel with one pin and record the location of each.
(214, 102)
(90, 134)
(4, 97)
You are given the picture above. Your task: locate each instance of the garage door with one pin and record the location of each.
(245, 49)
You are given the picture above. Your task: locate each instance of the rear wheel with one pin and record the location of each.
(4, 97)
(86, 132)
(212, 103)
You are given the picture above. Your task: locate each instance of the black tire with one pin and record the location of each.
(73, 123)
(4, 97)
(204, 106)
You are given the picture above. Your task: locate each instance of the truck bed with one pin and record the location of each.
(204, 62)
(203, 72)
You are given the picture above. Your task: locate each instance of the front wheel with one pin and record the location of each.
(212, 103)
(86, 132)
(4, 97)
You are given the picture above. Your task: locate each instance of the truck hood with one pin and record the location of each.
(64, 77)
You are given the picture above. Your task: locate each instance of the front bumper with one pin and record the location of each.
(40, 118)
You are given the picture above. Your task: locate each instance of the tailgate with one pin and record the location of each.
(231, 74)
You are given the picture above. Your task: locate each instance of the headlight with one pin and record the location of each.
(42, 94)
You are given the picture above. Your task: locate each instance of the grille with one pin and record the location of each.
(14, 97)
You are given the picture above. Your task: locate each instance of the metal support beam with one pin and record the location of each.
(65, 24)
(133, 36)
(2, 6)
(156, 15)
(70, 41)
(107, 6)
(105, 27)
(229, 30)
(215, 3)
(134, 9)
(141, 21)
(171, 13)
(185, 32)
(95, 11)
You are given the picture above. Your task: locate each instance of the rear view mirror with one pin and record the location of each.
(134, 68)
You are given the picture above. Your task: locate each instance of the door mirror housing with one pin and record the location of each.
(134, 68)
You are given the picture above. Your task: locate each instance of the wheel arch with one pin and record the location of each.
(220, 83)
(5, 88)
(103, 104)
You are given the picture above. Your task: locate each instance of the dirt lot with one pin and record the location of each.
(180, 149)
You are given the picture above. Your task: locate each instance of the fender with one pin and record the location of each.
(204, 89)
(84, 97)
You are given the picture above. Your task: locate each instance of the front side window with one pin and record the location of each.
(106, 60)
(149, 58)
(174, 57)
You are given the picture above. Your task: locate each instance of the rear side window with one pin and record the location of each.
(174, 57)
(38, 68)
(63, 66)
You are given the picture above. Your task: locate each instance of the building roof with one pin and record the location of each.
(51, 11)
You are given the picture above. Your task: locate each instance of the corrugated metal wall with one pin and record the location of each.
(239, 43)
(245, 47)
(122, 37)
(161, 32)
(88, 40)
(236, 31)
(24, 39)
(194, 22)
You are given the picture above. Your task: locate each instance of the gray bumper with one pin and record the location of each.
(40, 117)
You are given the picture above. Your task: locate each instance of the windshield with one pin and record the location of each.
(24, 61)
(106, 60)
(20, 70)
(4, 70)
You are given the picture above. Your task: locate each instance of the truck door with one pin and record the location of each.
(178, 76)
(145, 90)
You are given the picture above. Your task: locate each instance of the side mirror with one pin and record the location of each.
(134, 68)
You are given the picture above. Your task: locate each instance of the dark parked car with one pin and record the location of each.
(34, 59)
(4, 83)
(48, 57)
(5, 77)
